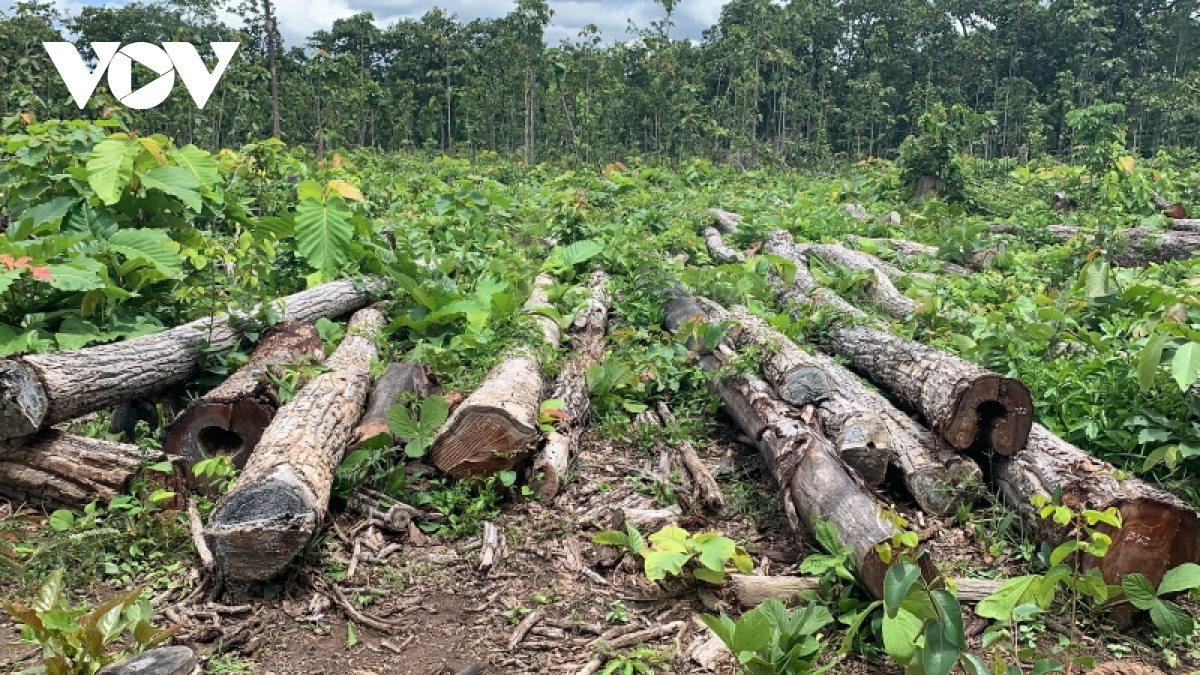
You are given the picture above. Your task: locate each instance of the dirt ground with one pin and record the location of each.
(439, 613)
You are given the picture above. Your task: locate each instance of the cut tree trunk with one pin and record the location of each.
(1159, 531)
(1169, 209)
(282, 495)
(804, 288)
(719, 250)
(870, 434)
(726, 221)
(1141, 246)
(926, 187)
(880, 292)
(587, 342)
(400, 378)
(57, 469)
(493, 429)
(857, 212)
(910, 250)
(41, 390)
(229, 420)
(1185, 225)
(752, 591)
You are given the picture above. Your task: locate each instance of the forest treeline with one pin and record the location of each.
(797, 83)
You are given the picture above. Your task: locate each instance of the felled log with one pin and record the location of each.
(804, 287)
(1185, 225)
(403, 377)
(1059, 201)
(1140, 246)
(587, 344)
(282, 495)
(177, 660)
(857, 212)
(494, 427)
(40, 390)
(706, 489)
(1159, 531)
(752, 591)
(880, 291)
(909, 250)
(727, 222)
(719, 250)
(1171, 210)
(53, 468)
(868, 432)
(230, 419)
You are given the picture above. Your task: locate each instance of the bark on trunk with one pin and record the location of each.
(1141, 246)
(926, 187)
(880, 291)
(962, 402)
(230, 419)
(727, 222)
(719, 250)
(282, 495)
(870, 434)
(910, 250)
(404, 377)
(1173, 210)
(1159, 531)
(804, 288)
(587, 340)
(41, 390)
(493, 428)
(1185, 225)
(752, 591)
(57, 469)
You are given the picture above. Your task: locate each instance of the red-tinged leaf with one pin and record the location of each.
(7, 261)
(22, 261)
(558, 415)
(42, 273)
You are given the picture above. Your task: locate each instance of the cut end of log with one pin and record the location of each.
(806, 385)
(994, 410)
(23, 400)
(212, 429)
(1154, 537)
(865, 445)
(942, 490)
(487, 441)
(256, 532)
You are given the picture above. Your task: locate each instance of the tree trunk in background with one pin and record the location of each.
(281, 497)
(270, 21)
(1141, 246)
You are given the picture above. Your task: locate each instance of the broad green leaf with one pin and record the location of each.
(714, 549)
(1096, 278)
(855, 625)
(60, 620)
(1044, 666)
(753, 632)
(199, 163)
(48, 213)
(310, 189)
(671, 537)
(900, 635)
(637, 543)
(611, 538)
(1149, 361)
(416, 448)
(7, 277)
(1172, 620)
(1000, 605)
(974, 665)
(401, 422)
(434, 412)
(62, 520)
(1138, 591)
(951, 613)
(70, 278)
(896, 584)
(49, 592)
(323, 232)
(661, 563)
(1186, 577)
(939, 655)
(110, 168)
(708, 575)
(1185, 367)
(175, 181)
(723, 627)
(152, 246)
(578, 252)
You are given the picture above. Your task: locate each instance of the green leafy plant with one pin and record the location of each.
(419, 431)
(75, 640)
(638, 661)
(770, 640)
(1167, 616)
(616, 614)
(672, 549)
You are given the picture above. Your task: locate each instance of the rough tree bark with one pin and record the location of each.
(1185, 225)
(404, 377)
(230, 419)
(493, 428)
(752, 591)
(881, 292)
(1141, 246)
(719, 250)
(41, 390)
(282, 495)
(57, 469)
(726, 221)
(1159, 531)
(587, 340)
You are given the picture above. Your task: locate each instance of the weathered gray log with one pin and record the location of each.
(161, 661)
(752, 591)
(804, 288)
(587, 345)
(40, 390)
(1140, 246)
(1159, 531)
(719, 250)
(229, 420)
(1184, 224)
(403, 377)
(857, 212)
(706, 489)
(880, 291)
(726, 221)
(53, 468)
(868, 431)
(494, 428)
(908, 250)
(282, 495)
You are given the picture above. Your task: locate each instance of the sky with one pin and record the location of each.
(300, 18)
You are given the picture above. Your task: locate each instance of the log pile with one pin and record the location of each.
(1140, 246)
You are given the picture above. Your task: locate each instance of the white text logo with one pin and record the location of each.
(166, 61)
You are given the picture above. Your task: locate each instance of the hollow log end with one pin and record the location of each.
(806, 385)
(941, 490)
(994, 410)
(256, 532)
(681, 309)
(484, 441)
(23, 400)
(210, 429)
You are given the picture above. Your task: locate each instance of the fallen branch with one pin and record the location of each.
(707, 490)
(719, 250)
(726, 221)
(880, 291)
